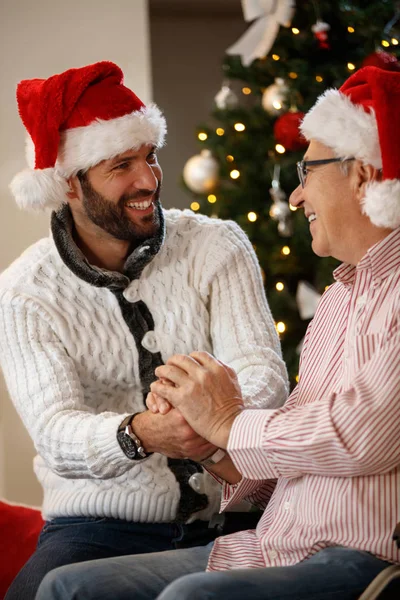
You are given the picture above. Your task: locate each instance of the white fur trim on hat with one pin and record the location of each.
(344, 127)
(82, 148)
(382, 203)
(39, 189)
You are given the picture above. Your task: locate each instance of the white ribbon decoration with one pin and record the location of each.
(257, 41)
(307, 299)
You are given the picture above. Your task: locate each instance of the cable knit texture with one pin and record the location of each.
(72, 369)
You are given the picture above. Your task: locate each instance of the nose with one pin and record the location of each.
(144, 177)
(296, 197)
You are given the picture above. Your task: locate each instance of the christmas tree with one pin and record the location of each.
(249, 149)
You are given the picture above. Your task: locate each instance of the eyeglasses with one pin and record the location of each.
(302, 169)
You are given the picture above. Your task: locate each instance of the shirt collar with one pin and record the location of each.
(382, 258)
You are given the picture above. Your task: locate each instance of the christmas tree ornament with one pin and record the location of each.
(287, 131)
(257, 41)
(226, 98)
(320, 30)
(280, 210)
(200, 172)
(274, 97)
(383, 60)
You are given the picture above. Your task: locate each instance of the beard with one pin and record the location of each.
(111, 217)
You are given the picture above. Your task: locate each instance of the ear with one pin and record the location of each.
(75, 190)
(363, 176)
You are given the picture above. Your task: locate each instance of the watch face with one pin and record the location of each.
(127, 444)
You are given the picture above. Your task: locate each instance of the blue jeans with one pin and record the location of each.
(332, 574)
(65, 540)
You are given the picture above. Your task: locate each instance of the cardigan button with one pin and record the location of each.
(150, 343)
(131, 293)
(196, 482)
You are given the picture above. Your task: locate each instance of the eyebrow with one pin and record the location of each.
(116, 160)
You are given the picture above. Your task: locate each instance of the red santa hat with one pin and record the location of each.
(362, 120)
(75, 120)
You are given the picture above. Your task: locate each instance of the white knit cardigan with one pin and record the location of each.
(71, 364)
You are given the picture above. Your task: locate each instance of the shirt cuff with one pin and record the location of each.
(246, 445)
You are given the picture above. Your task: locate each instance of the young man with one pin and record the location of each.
(88, 314)
(326, 465)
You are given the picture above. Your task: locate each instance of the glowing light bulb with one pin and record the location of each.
(292, 208)
(319, 78)
(276, 104)
(195, 206)
(280, 149)
(350, 29)
(212, 198)
(285, 250)
(246, 91)
(350, 66)
(293, 75)
(252, 216)
(230, 158)
(220, 131)
(295, 31)
(280, 327)
(275, 56)
(395, 42)
(280, 286)
(202, 136)
(385, 44)
(234, 174)
(239, 126)
(297, 379)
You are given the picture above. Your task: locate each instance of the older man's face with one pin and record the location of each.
(330, 204)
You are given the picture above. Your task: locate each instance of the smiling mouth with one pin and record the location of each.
(312, 217)
(142, 205)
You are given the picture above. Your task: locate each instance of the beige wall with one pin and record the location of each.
(38, 39)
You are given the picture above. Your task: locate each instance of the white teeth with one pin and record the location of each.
(139, 205)
(312, 218)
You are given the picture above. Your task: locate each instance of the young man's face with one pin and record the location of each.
(330, 204)
(120, 195)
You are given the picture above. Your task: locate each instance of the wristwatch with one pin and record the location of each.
(128, 440)
(214, 458)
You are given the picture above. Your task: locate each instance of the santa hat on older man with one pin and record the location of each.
(75, 120)
(362, 120)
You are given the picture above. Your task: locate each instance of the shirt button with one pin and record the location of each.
(273, 554)
(149, 342)
(131, 293)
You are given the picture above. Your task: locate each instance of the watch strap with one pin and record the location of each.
(215, 458)
(129, 441)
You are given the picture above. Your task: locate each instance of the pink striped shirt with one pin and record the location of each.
(325, 465)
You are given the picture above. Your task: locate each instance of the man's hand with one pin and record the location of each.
(206, 392)
(170, 435)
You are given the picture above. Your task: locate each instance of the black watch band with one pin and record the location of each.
(128, 440)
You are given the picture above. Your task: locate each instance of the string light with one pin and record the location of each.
(327, 287)
(297, 379)
(350, 66)
(292, 208)
(285, 250)
(252, 216)
(195, 206)
(220, 131)
(350, 29)
(276, 104)
(395, 42)
(280, 286)
(385, 43)
(212, 198)
(234, 174)
(319, 78)
(275, 56)
(246, 91)
(239, 126)
(293, 75)
(280, 149)
(295, 31)
(230, 158)
(280, 327)
(202, 136)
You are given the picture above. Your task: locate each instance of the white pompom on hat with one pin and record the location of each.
(75, 120)
(362, 120)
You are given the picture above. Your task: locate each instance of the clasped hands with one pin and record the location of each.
(204, 390)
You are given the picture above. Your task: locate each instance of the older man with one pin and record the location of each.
(325, 466)
(87, 314)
